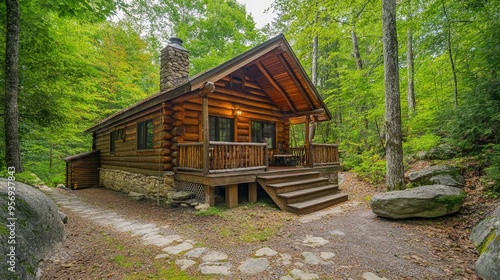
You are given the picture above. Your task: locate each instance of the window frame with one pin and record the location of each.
(144, 136)
(215, 126)
(260, 138)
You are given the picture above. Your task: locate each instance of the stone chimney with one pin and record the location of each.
(174, 68)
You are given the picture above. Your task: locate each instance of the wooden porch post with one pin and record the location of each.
(207, 88)
(252, 192)
(210, 195)
(309, 160)
(232, 196)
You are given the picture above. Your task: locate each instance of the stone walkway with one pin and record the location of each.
(206, 260)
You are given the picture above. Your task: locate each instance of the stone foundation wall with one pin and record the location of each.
(132, 182)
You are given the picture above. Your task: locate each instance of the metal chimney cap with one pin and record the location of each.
(175, 40)
(176, 43)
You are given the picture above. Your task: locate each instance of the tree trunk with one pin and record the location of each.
(450, 55)
(355, 49)
(11, 117)
(314, 69)
(411, 71)
(393, 140)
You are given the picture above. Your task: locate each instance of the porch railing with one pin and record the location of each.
(324, 154)
(223, 156)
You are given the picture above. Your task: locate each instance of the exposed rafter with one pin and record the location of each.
(276, 86)
(296, 80)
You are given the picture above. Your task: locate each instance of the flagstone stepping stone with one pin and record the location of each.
(195, 253)
(214, 256)
(314, 242)
(160, 240)
(254, 266)
(372, 276)
(327, 255)
(112, 221)
(122, 225)
(286, 259)
(265, 252)
(310, 258)
(302, 275)
(161, 256)
(175, 250)
(214, 269)
(185, 264)
(146, 231)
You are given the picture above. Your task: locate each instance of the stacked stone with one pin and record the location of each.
(174, 65)
(131, 182)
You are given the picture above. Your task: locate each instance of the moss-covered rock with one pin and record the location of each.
(486, 237)
(29, 230)
(423, 202)
(437, 175)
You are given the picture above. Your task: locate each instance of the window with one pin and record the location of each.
(116, 136)
(145, 135)
(264, 131)
(221, 129)
(112, 141)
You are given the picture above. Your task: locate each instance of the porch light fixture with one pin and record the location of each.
(237, 112)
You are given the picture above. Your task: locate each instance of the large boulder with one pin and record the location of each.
(424, 202)
(29, 231)
(486, 237)
(438, 175)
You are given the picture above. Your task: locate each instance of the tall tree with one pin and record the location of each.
(393, 139)
(11, 117)
(410, 66)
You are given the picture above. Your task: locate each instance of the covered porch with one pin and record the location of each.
(309, 184)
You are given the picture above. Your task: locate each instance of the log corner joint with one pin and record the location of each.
(207, 88)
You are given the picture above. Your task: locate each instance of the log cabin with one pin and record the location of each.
(225, 130)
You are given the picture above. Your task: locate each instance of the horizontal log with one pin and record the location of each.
(180, 115)
(178, 107)
(243, 132)
(177, 123)
(190, 121)
(179, 130)
(177, 139)
(191, 136)
(167, 127)
(243, 125)
(166, 144)
(242, 138)
(168, 119)
(192, 114)
(167, 136)
(175, 154)
(192, 129)
(174, 147)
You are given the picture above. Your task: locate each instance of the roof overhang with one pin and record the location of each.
(274, 66)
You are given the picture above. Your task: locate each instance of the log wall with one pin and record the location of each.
(179, 121)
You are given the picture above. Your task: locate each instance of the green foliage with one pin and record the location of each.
(212, 211)
(370, 167)
(493, 171)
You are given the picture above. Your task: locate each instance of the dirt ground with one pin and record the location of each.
(410, 249)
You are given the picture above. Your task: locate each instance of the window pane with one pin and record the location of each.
(264, 131)
(149, 134)
(145, 134)
(212, 124)
(226, 130)
(256, 132)
(112, 139)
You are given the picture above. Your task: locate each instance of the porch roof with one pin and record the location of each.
(273, 65)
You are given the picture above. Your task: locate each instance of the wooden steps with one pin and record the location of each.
(301, 191)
